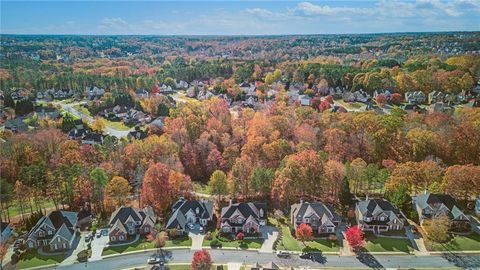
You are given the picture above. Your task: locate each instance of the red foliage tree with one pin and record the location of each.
(201, 260)
(324, 105)
(155, 89)
(354, 236)
(240, 236)
(381, 99)
(328, 99)
(304, 232)
(396, 98)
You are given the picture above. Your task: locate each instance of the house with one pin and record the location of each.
(321, 217)
(47, 112)
(6, 231)
(248, 89)
(243, 217)
(93, 138)
(79, 131)
(384, 92)
(84, 217)
(411, 108)
(63, 93)
(54, 232)
(438, 107)
(379, 215)
(357, 96)
(415, 97)
(181, 84)
(435, 96)
(94, 92)
(268, 266)
(130, 221)
(430, 205)
(190, 212)
(304, 100)
(142, 93)
(136, 134)
(16, 125)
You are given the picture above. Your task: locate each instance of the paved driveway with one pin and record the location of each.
(77, 246)
(197, 240)
(97, 247)
(270, 234)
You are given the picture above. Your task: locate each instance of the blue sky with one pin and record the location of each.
(237, 17)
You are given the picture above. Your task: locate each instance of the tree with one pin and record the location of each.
(437, 228)
(163, 109)
(98, 124)
(304, 233)
(381, 99)
(118, 189)
(218, 183)
(400, 197)
(68, 122)
(161, 240)
(240, 236)
(462, 181)
(3, 253)
(354, 236)
(99, 179)
(202, 260)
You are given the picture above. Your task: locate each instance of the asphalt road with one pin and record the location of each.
(112, 131)
(252, 257)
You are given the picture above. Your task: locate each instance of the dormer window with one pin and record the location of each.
(261, 212)
(367, 219)
(382, 218)
(197, 210)
(50, 232)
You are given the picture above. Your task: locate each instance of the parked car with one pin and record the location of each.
(190, 225)
(283, 254)
(105, 232)
(201, 229)
(18, 243)
(306, 255)
(154, 260)
(98, 234)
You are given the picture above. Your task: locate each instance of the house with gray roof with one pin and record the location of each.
(186, 212)
(415, 97)
(321, 217)
(429, 205)
(6, 231)
(245, 217)
(379, 215)
(54, 232)
(126, 222)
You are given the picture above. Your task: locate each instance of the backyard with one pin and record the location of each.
(144, 244)
(33, 259)
(458, 242)
(288, 242)
(225, 242)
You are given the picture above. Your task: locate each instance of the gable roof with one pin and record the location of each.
(246, 209)
(431, 199)
(181, 207)
(123, 213)
(306, 209)
(371, 207)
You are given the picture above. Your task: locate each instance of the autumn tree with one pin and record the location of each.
(161, 240)
(218, 183)
(437, 228)
(462, 181)
(3, 253)
(202, 260)
(354, 236)
(417, 176)
(98, 124)
(304, 233)
(118, 190)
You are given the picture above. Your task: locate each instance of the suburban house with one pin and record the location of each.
(321, 217)
(93, 93)
(47, 112)
(435, 96)
(136, 134)
(130, 221)
(16, 125)
(189, 212)
(6, 231)
(379, 215)
(141, 93)
(430, 205)
(385, 92)
(63, 93)
(243, 217)
(93, 138)
(54, 232)
(304, 100)
(415, 97)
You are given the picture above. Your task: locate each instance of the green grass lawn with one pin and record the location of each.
(33, 259)
(82, 109)
(244, 244)
(144, 244)
(14, 210)
(117, 125)
(458, 242)
(288, 242)
(386, 244)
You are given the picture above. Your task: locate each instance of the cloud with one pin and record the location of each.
(114, 24)
(309, 9)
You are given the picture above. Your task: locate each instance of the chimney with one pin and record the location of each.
(230, 202)
(301, 201)
(425, 191)
(366, 198)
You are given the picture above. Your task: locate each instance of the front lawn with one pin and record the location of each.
(387, 244)
(33, 259)
(117, 125)
(226, 242)
(458, 242)
(143, 244)
(288, 242)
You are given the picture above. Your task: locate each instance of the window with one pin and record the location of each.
(367, 219)
(58, 239)
(113, 238)
(41, 234)
(146, 229)
(50, 232)
(382, 218)
(121, 237)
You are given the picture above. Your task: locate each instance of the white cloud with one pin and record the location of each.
(115, 24)
(308, 8)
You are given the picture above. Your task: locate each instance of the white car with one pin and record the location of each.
(201, 229)
(154, 260)
(190, 225)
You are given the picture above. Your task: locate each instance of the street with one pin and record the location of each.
(252, 257)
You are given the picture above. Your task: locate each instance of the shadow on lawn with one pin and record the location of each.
(462, 261)
(369, 260)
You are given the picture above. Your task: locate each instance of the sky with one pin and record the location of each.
(237, 17)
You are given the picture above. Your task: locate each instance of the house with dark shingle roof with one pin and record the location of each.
(130, 221)
(321, 217)
(430, 205)
(189, 212)
(245, 217)
(379, 215)
(6, 231)
(54, 232)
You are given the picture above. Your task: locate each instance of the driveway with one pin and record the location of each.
(270, 234)
(77, 246)
(197, 239)
(97, 247)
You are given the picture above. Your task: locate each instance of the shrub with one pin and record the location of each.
(208, 236)
(215, 243)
